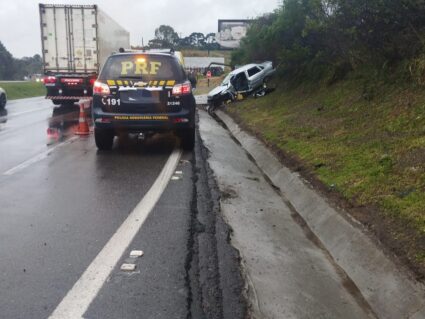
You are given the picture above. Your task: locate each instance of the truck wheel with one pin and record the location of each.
(2, 101)
(104, 138)
(187, 137)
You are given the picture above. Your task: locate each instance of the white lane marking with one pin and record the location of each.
(26, 99)
(11, 115)
(9, 130)
(79, 298)
(37, 157)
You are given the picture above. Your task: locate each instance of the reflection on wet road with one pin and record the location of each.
(62, 123)
(29, 126)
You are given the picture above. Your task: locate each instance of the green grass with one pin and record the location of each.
(372, 151)
(20, 90)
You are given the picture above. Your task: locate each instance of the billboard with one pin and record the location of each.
(231, 32)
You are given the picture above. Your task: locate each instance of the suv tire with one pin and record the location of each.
(104, 139)
(187, 137)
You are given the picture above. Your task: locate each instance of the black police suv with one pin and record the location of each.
(143, 92)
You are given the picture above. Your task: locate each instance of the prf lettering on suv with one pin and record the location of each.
(143, 92)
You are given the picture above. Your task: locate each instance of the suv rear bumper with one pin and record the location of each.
(144, 122)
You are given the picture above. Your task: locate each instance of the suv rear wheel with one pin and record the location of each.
(187, 137)
(104, 138)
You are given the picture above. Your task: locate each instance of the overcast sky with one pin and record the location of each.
(20, 29)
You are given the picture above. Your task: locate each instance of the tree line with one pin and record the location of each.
(16, 69)
(167, 37)
(329, 38)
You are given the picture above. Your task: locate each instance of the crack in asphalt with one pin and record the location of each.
(214, 280)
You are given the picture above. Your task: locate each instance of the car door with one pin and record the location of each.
(255, 77)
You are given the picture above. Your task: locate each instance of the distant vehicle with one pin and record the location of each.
(215, 71)
(76, 41)
(143, 92)
(3, 99)
(248, 79)
(36, 77)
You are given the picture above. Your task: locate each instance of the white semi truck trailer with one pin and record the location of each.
(76, 41)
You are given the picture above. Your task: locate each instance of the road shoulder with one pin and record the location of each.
(391, 292)
(287, 273)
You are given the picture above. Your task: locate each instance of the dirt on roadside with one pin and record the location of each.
(202, 84)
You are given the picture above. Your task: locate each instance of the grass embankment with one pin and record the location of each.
(20, 90)
(366, 146)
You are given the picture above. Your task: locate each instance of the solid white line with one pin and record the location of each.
(10, 115)
(25, 99)
(37, 158)
(79, 298)
(14, 129)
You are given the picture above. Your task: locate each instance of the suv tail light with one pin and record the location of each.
(100, 88)
(182, 89)
(49, 79)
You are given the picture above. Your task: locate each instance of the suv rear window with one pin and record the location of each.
(142, 66)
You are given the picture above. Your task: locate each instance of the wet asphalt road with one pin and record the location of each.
(66, 210)
(61, 201)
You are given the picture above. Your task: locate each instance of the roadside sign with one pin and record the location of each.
(208, 74)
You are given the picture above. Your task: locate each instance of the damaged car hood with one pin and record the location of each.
(218, 90)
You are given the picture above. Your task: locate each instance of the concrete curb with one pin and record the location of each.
(391, 293)
(201, 100)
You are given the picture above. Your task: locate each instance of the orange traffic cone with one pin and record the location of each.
(83, 126)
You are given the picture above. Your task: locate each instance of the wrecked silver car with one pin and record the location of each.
(248, 79)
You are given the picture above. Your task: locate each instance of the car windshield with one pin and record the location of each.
(143, 67)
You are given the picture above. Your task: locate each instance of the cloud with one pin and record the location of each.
(20, 28)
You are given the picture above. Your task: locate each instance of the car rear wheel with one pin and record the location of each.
(104, 138)
(187, 137)
(2, 101)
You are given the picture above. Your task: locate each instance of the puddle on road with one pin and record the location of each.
(63, 123)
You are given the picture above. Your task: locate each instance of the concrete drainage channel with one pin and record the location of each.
(390, 292)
